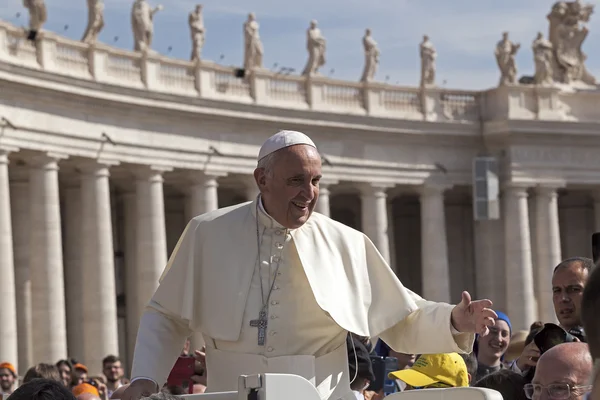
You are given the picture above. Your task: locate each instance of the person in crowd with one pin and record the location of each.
(86, 390)
(43, 389)
(8, 377)
(433, 371)
(510, 384)
(568, 282)
(113, 372)
(491, 348)
(80, 374)
(471, 363)
(43, 371)
(404, 360)
(563, 372)
(277, 235)
(359, 366)
(590, 306)
(65, 369)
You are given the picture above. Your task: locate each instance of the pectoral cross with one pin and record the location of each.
(261, 324)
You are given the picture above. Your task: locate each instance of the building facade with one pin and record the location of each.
(105, 155)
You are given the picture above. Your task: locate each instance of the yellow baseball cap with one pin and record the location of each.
(429, 369)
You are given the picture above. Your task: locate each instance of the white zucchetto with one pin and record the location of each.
(283, 139)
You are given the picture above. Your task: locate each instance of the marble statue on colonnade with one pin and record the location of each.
(95, 21)
(505, 57)
(428, 57)
(198, 32)
(142, 23)
(568, 31)
(37, 14)
(542, 57)
(253, 47)
(371, 57)
(316, 46)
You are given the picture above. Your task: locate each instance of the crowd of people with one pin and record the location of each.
(550, 361)
(520, 365)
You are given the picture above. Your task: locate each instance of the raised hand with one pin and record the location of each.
(473, 316)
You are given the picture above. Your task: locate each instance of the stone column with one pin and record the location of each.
(98, 284)
(74, 268)
(19, 192)
(151, 236)
(46, 262)
(520, 297)
(434, 245)
(131, 274)
(548, 250)
(322, 206)
(203, 198)
(374, 217)
(8, 308)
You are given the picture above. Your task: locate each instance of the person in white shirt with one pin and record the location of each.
(275, 287)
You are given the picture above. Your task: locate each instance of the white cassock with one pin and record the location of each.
(331, 279)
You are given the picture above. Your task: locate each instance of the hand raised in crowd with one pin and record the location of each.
(200, 372)
(473, 316)
(529, 357)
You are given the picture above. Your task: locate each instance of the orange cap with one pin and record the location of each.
(81, 367)
(9, 367)
(85, 388)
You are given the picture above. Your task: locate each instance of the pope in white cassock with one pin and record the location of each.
(274, 287)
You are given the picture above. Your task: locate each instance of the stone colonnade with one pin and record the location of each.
(39, 272)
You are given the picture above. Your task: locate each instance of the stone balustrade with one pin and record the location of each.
(108, 65)
(205, 79)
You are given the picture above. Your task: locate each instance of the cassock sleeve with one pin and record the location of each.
(164, 326)
(159, 342)
(427, 330)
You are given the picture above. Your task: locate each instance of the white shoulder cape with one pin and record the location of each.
(207, 279)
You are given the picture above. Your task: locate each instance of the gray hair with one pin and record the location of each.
(268, 163)
(584, 262)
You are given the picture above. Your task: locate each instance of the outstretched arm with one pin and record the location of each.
(428, 330)
(441, 328)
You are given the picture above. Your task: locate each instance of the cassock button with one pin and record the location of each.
(275, 287)
(279, 246)
(279, 232)
(275, 259)
(274, 303)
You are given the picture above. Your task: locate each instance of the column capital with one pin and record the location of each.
(434, 188)
(96, 167)
(204, 178)
(549, 189)
(150, 172)
(518, 189)
(48, 160)
(5, 151)
(377, 189)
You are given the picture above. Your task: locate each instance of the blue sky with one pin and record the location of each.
(464, 32)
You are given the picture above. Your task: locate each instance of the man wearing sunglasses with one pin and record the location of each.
(562, 373)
